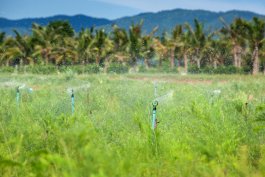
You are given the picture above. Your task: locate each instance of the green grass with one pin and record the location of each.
(199, 134)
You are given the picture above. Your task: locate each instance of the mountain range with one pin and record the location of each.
(165, 20)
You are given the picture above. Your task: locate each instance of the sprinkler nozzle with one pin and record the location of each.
(155, 103)
(72, 93)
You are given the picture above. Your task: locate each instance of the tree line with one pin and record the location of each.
(239, 44)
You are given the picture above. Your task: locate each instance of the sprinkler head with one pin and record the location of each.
(155, 103)
(72, 93)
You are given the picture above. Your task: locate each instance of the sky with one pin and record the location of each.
(112, 9)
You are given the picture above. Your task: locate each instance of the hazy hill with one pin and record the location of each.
(24, 25)
(166, 20)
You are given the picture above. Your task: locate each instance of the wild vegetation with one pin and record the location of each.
(208, 126)
(238, 46)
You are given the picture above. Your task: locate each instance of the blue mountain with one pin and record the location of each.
(165, 20)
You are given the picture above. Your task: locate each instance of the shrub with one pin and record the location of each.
(219, 70)
(165, 68)
(118, 68)
(92, 69)
(41, 69)
(193, 69)
(228, 70)
(7, 69)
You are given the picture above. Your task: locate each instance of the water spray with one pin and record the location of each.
(155, 93)
(17, 95)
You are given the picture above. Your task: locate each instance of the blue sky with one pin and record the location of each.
(111, 9)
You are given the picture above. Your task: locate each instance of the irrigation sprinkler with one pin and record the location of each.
(155, 102)
(214, 95)
(73, 90)
(18, 92)
(73, 101)
(17, 95)
(154, 119)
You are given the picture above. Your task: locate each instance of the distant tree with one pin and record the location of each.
(84, 45)
(235, 35)
(2, 37)
(65, 53)
(2, 49)
(102, 46)
(170, 43)
(240, 43)
(62, 28)
(10, 51)
(256, 37)
(52, 45)
(217, 51)
(182, 39)
(147, 49)
(135, 43)
(262, 54)
(25, 46)
(121, 44)
(160, 49)
(44, 41)
(198, 41)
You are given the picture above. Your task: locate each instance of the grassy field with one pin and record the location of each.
(208, 126)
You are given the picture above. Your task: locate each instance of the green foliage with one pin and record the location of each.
(118, 68)
(199, 134)
(164, 68)
(236, 48)
(61, 27)
(86, 69)
(41, 69)
(219, 70)
(7, 69)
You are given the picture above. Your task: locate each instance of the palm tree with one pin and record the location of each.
(235, 33)
(183, 44)
(217, 50)
(147, 49)
(25, 46)
(256, 38)
(121, 44)
(2, 37)
(171, 44)
(44, 41)
(63, 28)
(198, 41)
(10, 51)
(102, 46)
(160, 49)
(135, 43)
(84, 46)
(65, 53)
(53, 45)
(262, 54)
